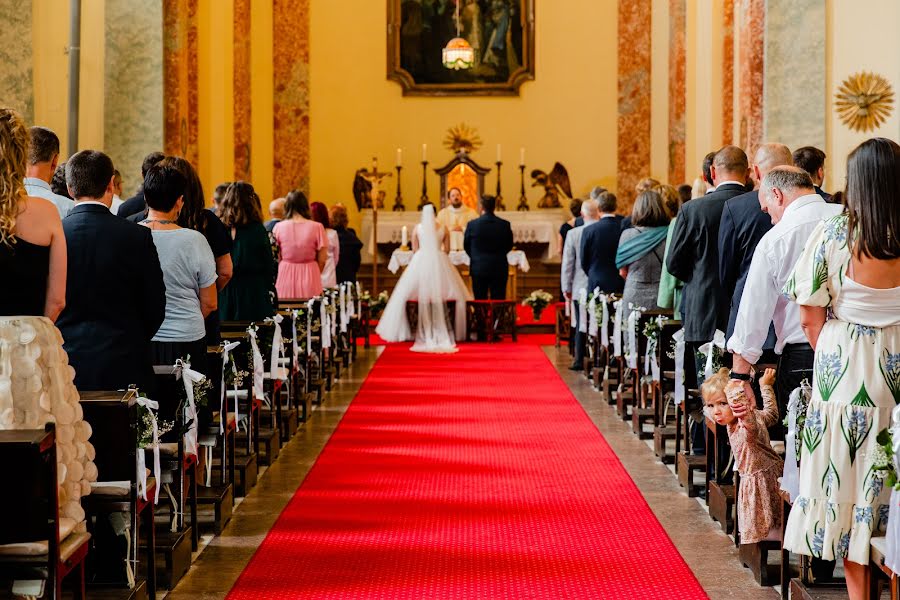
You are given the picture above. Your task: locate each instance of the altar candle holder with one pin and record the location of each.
(398, 200)
(500, 205)
(523, 201)
(424, 197)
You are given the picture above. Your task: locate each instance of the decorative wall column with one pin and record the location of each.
(751, 19)
(677, 91)
(728, 72)
(290, 54)
(242, 102)
(133, 122)
(16, 79)
(794, 107)
(634, 97)
(180, 84)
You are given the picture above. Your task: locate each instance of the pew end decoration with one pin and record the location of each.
(376, 304)
(883, 459)
(537, 300)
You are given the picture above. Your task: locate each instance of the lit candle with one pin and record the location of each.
(424, 152)
(399, 157)
(404, 237)
(498, 152)
(522, 155)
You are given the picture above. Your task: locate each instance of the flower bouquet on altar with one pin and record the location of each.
(538, 300)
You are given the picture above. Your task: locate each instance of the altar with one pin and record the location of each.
(538, 227)
(516, 259)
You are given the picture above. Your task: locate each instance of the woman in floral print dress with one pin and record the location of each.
(842, 501)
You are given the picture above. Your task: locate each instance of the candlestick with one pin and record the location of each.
(424, 197)
(398, 199)
(522, 156)
(523, 201)
(424, 152)
(499, 163)
(404, 237)
(399, 157)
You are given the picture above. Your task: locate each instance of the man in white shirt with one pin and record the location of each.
(43, 156)
(455, 217)
(573, 279)
(787, 194)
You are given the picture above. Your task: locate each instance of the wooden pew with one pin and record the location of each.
(664, 430)
(32, 544)
(720, 491)
(686, 463)
(882, 576)
(643, 407)
(114, 421)
(301, 389)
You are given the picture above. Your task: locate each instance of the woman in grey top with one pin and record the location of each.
(189, 271)
(641, 251)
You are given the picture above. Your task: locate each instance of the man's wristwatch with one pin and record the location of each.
(740, 376)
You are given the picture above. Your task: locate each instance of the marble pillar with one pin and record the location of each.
(794, 106)
(677, 90)
(634, 97)
(181, 120)
(242, 105)
(290, 53)
(16, 80)
(728, 72)
(751, 19)
(133, 116)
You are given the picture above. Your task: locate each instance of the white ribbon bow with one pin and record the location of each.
(604, 320)
(790, 480)
(592, 307)
(227, 359)
(678, 336)
(150, 405)
(259, 390)
(345, 314)
(309, 308)
(632, 338)
(707, 348)
(582, 310)
(277, 346)
(358, 298)
(295, 342)
(189, 377)
(617, 329)
(326, 326)
(651, 363)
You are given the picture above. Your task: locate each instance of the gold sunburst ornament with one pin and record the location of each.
(864, 101)
(462, 138)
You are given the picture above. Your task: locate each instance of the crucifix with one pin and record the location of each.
(375, 178)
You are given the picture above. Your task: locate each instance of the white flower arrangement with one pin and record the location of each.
(538, 300)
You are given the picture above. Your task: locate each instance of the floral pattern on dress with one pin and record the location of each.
(855, 429)
(829, 372)
(890, 370)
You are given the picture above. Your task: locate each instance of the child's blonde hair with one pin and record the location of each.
(715, 384)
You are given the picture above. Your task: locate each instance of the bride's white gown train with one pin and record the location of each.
(431, 280)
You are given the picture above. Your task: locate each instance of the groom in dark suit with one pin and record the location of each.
(116, 298)
(488, 239)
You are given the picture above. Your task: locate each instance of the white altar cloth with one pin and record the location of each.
(401, 258)
(535, 226)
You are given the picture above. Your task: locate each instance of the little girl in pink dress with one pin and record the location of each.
(759, 502)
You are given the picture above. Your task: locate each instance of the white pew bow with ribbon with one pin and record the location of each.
(790, 480)
(582, 310)
(617, 329)
(227, 360)
(188, 377)
(604, 320)
(633, 318)
(258, 368)
(151, 406)
(678, 336)
(708, 349)
(593, 325)
(277, 347)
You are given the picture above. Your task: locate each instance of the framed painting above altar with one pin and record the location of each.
(501, 32)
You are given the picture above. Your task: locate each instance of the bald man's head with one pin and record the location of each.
(276, 208)
(769, 156)
(730, 164)
(590, 210)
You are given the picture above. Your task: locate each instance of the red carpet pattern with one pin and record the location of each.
(474, 475)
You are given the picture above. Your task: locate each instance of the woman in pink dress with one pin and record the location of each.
(303, 248)
(329, 274)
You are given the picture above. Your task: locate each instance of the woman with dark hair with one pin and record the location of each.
(847, 283)
(642, 247)
(329, 274)
(349, 258)
(565, 228)
(303, 248)
(248, 296)
(58, 183)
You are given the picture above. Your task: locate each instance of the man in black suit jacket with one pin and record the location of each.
(694, 251)
(137, 204)
(599, 243)
(115, 297)
(742, 226)
(487, 241)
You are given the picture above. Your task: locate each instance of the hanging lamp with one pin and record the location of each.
(458, 54)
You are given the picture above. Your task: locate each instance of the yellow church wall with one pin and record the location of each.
(858, 40)
(567, 114)
(50, 37)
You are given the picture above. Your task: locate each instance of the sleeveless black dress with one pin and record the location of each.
(24, 267)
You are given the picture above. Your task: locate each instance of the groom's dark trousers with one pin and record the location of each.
(487, 241)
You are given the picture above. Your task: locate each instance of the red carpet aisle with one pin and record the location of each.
(475, 475)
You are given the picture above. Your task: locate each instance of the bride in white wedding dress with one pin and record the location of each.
(430, 280)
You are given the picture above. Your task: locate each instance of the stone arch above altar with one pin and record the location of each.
(464, 173)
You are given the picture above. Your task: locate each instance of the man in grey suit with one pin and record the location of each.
(573, 279)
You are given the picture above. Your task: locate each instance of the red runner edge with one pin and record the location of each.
(472, 475)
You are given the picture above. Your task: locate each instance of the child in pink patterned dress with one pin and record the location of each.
(759, 502)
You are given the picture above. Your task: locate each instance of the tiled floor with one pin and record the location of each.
(709, 553)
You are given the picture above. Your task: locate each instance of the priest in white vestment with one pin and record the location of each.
(455, 216)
